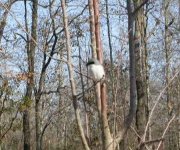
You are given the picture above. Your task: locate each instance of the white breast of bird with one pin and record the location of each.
(96, 72)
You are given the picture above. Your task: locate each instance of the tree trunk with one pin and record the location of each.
(141, 68)
(30, 82)
(102, 99)
(167, 47)
(71, 77)
(32, 49)
(92, 29)
(108, 142)
(132, 75)
(26, 128)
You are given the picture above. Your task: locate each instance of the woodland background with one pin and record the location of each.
(47, 100)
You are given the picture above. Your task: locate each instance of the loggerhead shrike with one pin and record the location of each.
(96, 70)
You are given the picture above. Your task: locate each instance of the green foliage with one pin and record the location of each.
(26, 103)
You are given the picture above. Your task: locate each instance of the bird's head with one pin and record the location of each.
(92, 61)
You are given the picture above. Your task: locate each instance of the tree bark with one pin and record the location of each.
(108, 142)
(141, 68)
(32, 49)
(167, 47)
(132, 75)
(92, 29)
(97, 31)
(30, 82)
(71, 77)
(101, 90)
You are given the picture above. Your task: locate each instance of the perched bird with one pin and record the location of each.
(96, 70)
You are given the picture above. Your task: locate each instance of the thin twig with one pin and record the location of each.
(3, 5)
(170, 121)
(157, 101)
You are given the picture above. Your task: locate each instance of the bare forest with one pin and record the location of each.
(49, 100)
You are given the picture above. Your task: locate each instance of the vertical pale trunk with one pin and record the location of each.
(98, 49)
(97, 31)
(167, 47)
(92, 29)
(93, 47)
(102, 101)
(71, 77)
(146, 67)
(108, 142)
(94, 52)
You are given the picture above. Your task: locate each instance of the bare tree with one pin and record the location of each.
(108, 142)
(8, 6)
(71, 77)
(43, 76)
(31, 46)
(141, 67)
(167, 46)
